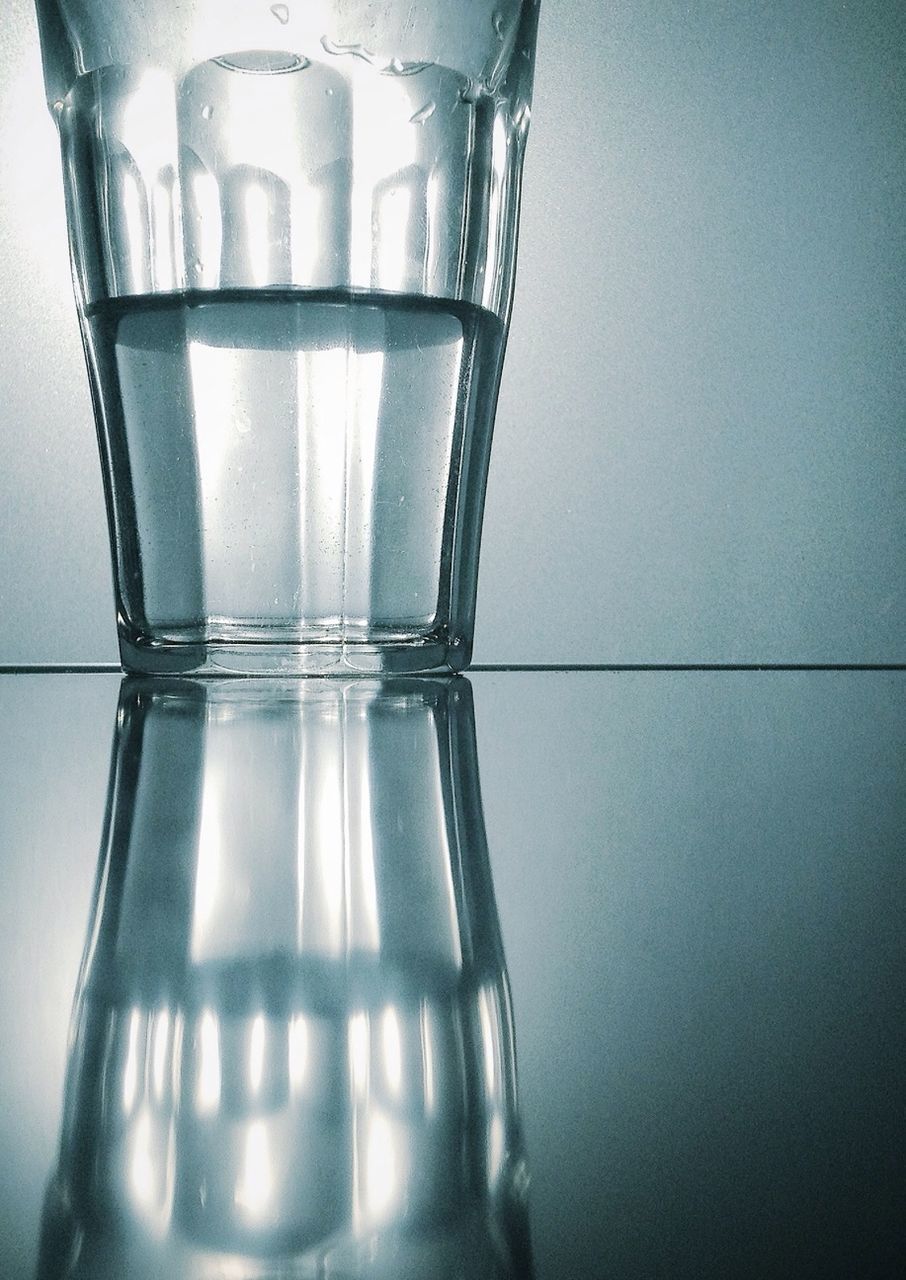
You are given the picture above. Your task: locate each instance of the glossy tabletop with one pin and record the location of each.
(268, 957)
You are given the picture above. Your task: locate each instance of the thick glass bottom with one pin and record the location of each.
(150, 655)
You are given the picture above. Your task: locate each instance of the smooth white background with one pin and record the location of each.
(699, 454)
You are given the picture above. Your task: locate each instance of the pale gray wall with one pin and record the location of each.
(700, 453)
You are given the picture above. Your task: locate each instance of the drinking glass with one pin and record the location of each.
(292, 1050)
(293, 232)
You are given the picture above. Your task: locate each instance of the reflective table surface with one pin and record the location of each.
(270, 953)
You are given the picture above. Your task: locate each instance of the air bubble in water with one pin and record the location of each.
(281, 12)
(424, 113)
(207, 111)
(498, 25)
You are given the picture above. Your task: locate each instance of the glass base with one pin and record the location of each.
(424, 654)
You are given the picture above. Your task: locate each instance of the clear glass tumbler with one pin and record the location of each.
(293, 233)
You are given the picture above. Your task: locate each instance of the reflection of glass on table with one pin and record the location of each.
(292, 1044)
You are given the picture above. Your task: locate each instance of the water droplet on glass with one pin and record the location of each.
(396, 67)
(198, 266)
(281, 12)
(498, 25)
(207, 111)
(339, 50)
(58, 106)
(424, 113)
(393, 67)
